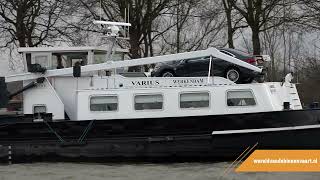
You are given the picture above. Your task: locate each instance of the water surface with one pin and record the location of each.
(114, 171)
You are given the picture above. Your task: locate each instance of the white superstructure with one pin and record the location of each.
(96, 96)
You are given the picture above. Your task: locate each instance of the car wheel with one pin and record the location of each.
(167, 74)
(261, 78)
(233, 75)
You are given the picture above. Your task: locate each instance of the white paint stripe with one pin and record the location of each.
(265, 129)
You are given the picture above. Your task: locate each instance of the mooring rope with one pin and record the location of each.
(85, 132)
(81, 138)
(54, 132)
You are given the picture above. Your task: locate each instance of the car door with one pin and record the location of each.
(220, 66)
(196, 67)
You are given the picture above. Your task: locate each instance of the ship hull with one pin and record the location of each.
(200, 138)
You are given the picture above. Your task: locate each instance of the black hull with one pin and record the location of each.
(158, 139)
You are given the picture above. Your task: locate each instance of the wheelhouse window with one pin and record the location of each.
(104, 103)
(194, 100)
(145, 102)
(42, 60)
(240, 98)
(66, 60)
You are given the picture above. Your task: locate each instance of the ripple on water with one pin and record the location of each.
(121, 171)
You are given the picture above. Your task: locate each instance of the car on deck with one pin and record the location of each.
(200, 67)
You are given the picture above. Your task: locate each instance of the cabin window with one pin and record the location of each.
(144, 102)
(42, 60)
(66, 60)
(100, 57)
(194, 100)
(39, 109)
(240, 98)
(104, 103)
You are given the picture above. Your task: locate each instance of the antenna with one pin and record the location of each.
(113, 29)
(112, 23)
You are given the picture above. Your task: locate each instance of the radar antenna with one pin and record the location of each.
(112, 33)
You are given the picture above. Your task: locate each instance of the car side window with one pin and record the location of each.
(197, 60)
(192, 60)
(227, 53)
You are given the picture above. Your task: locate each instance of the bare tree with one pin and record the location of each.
(258, 14)
(182, 14)
(28, 22)
(141, 14)
(311, 13)
(271, 45)
(200, 25)
(234, 21)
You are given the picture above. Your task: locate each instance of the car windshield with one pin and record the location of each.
(237, 51)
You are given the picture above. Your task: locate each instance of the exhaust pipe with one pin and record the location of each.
(4, 94)
(29, 86)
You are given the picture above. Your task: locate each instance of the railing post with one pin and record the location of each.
(9, 155)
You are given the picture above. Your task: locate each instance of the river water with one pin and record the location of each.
(121, 171)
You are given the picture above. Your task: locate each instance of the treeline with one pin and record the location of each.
(287, 30)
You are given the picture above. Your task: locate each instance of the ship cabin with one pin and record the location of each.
(64, 57)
